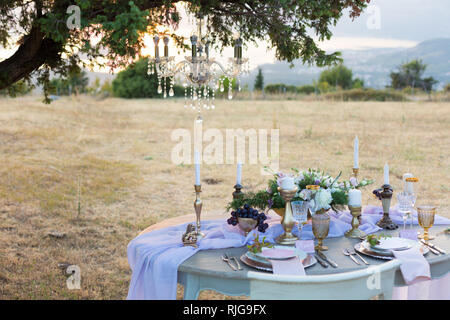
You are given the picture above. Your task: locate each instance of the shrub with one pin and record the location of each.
(280, 88)
(365, 95)
(306, 89)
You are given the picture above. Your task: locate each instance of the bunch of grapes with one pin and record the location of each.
(247, 212)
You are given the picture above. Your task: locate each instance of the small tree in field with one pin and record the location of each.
(259, 81)
(410, 75)
(339, 76)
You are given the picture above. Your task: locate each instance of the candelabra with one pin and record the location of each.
(202, 74)
(288, 222)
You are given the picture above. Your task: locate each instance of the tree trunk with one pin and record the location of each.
(31, 54)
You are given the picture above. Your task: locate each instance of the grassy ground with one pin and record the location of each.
(119, 151)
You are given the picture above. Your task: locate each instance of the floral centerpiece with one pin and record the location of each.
(321, 190)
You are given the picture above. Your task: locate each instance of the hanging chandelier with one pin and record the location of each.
(202, 75)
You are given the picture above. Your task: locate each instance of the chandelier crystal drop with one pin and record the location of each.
(202, 75)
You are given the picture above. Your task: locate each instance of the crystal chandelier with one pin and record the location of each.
(201, 74)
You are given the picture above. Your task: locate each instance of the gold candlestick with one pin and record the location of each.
(355, 173)
(354, 232)
(237, 191)
(198, 208)
(288, 222)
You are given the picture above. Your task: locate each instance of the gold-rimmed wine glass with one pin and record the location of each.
(425, 215)
(320, 228)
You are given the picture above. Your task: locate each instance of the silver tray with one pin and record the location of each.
(388, 256)
(309, 261)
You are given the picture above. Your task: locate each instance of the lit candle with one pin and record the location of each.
(197, 168)
(239, 173)
(386, 174)
(287, 183)
(354, 198)
(356, 153)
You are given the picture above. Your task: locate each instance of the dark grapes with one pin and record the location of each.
(248, 212)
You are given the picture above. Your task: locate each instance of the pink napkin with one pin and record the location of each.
(414, 266)
(291, 266)
(409, 234)
(276, 253)
(305, 245)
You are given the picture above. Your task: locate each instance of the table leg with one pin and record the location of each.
(191, 287)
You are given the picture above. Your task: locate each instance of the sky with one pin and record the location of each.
(384, 24)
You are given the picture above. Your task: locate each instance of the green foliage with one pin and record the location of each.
(410, 75)
(280, 88)
(19, 88)
(365, 95)
(119, 26)
(259, 80)
(358, 83)
(75, 83)
(447, 87)
(134, 82)
(306, 89)
(338, 76)
(257, 245)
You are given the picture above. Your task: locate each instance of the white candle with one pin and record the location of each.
(239, 173)
(386, 174)
(354, 198)
(287, 183)
(408, 187)
(356, 153)
(197, 168)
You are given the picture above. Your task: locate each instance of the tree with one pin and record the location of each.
(49, 43)
(19, 88)
(338, 76)
(259, 80)
(75, 83)
(410, 75)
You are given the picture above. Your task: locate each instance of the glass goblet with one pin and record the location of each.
(425, 215)
(320, 228)
(300, 213)
(404, 206)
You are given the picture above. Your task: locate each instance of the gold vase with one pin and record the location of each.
(247, 224)
(354, 232)
(288, 221)
(279, 211)
(320, 228)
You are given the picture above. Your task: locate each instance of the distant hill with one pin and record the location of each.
(373, 65)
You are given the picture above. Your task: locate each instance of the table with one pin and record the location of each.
(206, 270)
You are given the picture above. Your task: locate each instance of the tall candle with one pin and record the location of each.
(354, 198)
(197, 168)
(356, 153)
(239, 173)
(386, 174)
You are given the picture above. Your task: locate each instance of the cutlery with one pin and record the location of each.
(322, 263)
(432, 248)
(227, 260)
(436, 248)
(345, 251)
(324, 257)
(352, 251)
(237, 262)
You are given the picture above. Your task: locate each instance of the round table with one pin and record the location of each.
(206, 270)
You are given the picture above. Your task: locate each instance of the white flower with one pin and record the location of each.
(322, 199)
(305, 194)
(353, 181)
(299, 178)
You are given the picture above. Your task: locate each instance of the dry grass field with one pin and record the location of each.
(120, 151)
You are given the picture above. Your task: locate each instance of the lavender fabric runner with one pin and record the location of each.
(154, 257)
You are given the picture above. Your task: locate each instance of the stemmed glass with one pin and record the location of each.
(300, 213)
(405, 204)
(425, 215)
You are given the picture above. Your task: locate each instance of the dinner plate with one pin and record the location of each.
(408, 244)
(280, 253)
(308, 261)
(387, 255)
(260, 258)
(393, 243)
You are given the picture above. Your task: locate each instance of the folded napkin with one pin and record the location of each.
(414, 266)
(305, 245)
(291, 266)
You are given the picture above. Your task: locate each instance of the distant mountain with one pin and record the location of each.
(372, 65)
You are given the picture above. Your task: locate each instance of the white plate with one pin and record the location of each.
(393, 243)
(292, 252)
(260, 258)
